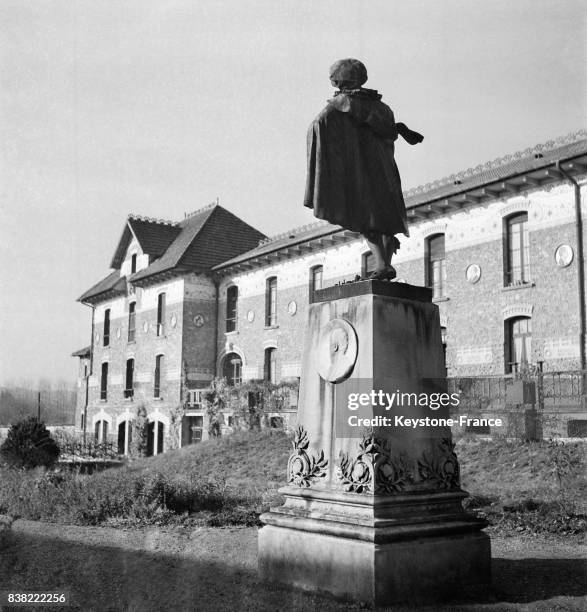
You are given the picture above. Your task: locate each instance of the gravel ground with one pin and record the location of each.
(215, 569)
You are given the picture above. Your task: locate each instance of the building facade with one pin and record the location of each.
(501, 245)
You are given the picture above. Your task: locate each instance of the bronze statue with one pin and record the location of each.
(353, 180)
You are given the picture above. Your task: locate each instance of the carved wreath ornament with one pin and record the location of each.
(303, 469)
(441, 466)
(373, 470)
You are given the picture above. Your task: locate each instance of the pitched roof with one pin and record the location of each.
(113, 284)
(84, 352)
(153, 235)
(290, 238)
(220, 235)
(506, 175)
(515, 164)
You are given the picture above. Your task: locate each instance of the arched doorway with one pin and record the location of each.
(124, 437)
(155, 438)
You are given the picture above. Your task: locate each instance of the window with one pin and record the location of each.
(160, 314)
(133, 263)
(101, 431)
(106, 333)
(436, 266)
(232, 369)
(129, 388)
(132, 321)
(315, 279)
(231, 308)
(516, 250)
(367, 264)
(271, 302)
(104, 382)
(270, 370)
(194, 399)
(158, 368)
(518, 343)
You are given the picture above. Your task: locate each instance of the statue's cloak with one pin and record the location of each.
(352, 179)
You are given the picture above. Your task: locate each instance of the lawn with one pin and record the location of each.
(531, 487)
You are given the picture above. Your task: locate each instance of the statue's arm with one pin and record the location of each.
(408, 135)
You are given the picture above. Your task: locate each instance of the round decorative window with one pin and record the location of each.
(564, 255)
(473, 273)
(292, 308)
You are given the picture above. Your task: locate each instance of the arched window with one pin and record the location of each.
(316, 273)
(271, 302)
(104, 382)
(101, 431)
(106, 333)
(133, 263)
(436, 266)
(518, 343)
(516, 250)
(161, 314)
(130, 370)
(270, 369)
(132, 313)
(231, 308)
(157, 377)
(232, 369)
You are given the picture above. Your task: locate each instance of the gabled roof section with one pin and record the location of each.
(207, 237)
(108, 287)
(154, 235)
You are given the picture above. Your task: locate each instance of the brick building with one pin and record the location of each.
(500, 244)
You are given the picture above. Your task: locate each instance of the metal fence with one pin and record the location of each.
(568, 388)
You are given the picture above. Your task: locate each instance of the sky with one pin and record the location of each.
(111, 107)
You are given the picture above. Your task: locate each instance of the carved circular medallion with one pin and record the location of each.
(118, 333)
(251, 316)
(97, 336)
(473, 273)
(564, 255)
(292, 308)
(337, 351)
(199, 320)
(173, 320)
(145, 327)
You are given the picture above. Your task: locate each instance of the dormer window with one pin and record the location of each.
(133, 263)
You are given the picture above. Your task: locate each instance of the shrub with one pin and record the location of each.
(29, 444)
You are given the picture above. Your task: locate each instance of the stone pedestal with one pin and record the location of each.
(373, 511)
